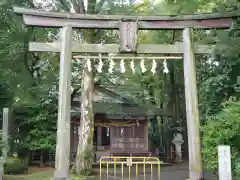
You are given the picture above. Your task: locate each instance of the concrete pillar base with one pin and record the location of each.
(57, 178)
(60, 175)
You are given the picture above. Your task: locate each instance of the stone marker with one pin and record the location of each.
(224, 162)
(5, 140)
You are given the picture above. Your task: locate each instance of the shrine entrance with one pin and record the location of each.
(129, 49)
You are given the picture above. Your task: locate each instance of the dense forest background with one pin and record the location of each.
(30, 80)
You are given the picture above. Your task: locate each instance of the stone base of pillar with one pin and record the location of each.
(1, 174)
(178, 159)
(57, 178)
(60, 175)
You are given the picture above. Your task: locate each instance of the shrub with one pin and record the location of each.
(15, 165)
(223, 129)
(237, 169)
(154, 138)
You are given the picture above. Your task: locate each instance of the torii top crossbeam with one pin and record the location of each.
(128, 36)
(56, 19)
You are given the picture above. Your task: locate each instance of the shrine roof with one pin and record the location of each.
(121, 109)
(110, 103)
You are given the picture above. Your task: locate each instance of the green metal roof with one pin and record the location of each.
(121, 109)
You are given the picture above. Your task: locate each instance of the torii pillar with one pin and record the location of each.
(64, 107)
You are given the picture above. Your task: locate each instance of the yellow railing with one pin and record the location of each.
(127, 164)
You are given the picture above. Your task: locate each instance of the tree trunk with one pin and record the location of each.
(85, 155)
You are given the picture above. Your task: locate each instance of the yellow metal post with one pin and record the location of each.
(114, 167)
(107, 170)
(158, 170)
(151, 171)
(100, 167)
(136, 170)
(129, 172)
(129, 161)
(122, 170)
(144, 168)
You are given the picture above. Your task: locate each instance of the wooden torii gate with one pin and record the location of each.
(128, 26)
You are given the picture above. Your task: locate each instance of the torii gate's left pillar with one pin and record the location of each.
(64, 107)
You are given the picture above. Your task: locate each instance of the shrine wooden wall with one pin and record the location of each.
(133, 138)
(130, 138)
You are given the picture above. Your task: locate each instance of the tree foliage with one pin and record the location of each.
(30, 80)
(36, 128)
(222, 129)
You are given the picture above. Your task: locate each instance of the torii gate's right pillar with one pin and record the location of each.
(193, 123)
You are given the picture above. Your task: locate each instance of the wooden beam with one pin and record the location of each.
(76, 47)
(41, 21)
(171, 17)
(193, 123)
(55, 19)
(129, 56)
(171, 49)
(76, 23)
(63, 121)
(99, 137)
(146, 142)
(196, 24)
(114, 48)
(128, 36)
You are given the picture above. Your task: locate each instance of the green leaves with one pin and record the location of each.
(222, 129)
(37, 127)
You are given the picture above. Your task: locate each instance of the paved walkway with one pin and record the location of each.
(180, 172)
(174, 172)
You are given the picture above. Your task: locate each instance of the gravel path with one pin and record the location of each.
(174, 172)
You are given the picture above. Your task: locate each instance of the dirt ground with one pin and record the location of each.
(33, 169)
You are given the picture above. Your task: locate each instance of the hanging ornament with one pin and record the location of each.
(89, 65)
(100, 64)
(122, 66)
(154, 66)
(111, 65)
(132, 66)
(142, 66)
(165, 67)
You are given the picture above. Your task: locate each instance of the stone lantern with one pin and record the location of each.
(178, 141)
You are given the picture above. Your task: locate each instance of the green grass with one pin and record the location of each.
(45, 175)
